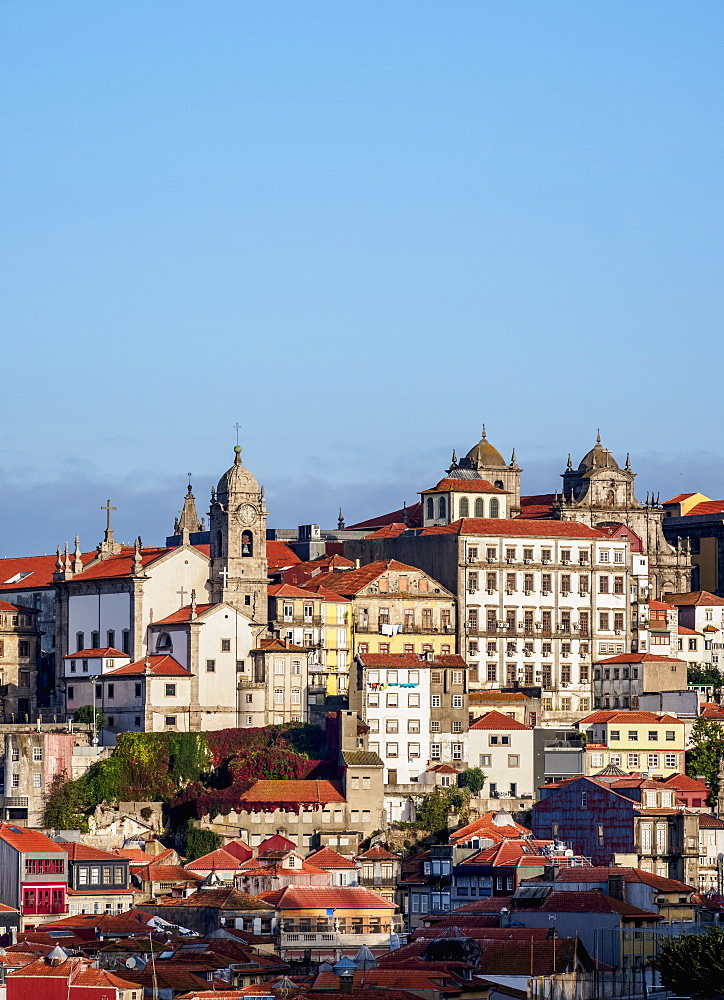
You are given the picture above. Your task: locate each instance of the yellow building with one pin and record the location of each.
(634, 741)
(397, 608)
(320, 620)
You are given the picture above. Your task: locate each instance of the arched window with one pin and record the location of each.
(430, 507)
(441, 507)
(499, 484)
(247, 543)
(163, 642)
(479, 511)
(464, 507)
(219, 544)
(494, 508)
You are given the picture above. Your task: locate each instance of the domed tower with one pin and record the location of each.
(599, 481)
(237, 528)
(484, 461)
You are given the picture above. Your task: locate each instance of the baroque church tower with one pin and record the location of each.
(237, 527)
(484, 461)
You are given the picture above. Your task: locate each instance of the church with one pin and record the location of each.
(175, 637)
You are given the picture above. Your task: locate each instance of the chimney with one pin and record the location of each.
(550, 872)
(617, 885)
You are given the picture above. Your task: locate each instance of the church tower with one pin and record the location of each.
(484, 461)
(237, 527)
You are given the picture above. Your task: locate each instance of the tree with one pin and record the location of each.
(432, 813)
(705, 675)
(85, 714)
(197, 842)
(473, 778)
(705, 757)
(692, 965)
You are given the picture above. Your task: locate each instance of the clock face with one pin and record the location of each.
(246, 513)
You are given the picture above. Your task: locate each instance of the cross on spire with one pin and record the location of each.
(237, 428)
(109, 531)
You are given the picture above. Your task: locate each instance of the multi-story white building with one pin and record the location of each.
(416, 708)
(538, 601)
(503, 749)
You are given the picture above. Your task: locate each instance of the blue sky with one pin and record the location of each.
(360, 230)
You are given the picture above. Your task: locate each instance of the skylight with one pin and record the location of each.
(18, 577)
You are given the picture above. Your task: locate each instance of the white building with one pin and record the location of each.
(503, 749)
(416, 708)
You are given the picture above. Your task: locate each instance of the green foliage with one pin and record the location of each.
(693, 965)
(432, 813)
(197, 842)
(64, 804)
(705, 675)
(85, 714)
(707, 742)
(472, 779)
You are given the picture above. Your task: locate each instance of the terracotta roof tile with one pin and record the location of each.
(353, 581)
(515, 527)
(96, 654)
(165, 666)
(641, 658)
(327, 858)
(184, 614)
(695, 598)
(279, 555)
(496, 720)
(28, 841)
(214, 860)
(297, 897)
(292, 791)
(413, 513)
(36, 571)
(464, 486)
(411, 660)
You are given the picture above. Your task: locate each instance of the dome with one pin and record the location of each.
(238, 479)
(597, 458)
(485, 454)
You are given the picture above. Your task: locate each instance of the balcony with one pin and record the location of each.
(330, 938)
(376, 881)
(301, 620)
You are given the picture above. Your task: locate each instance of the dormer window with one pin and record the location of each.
(164, 642)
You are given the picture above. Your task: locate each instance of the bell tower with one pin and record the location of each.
(237, 527)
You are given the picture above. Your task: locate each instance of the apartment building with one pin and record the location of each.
(503, 748)
(619, 681)
(539, 601)
(416, 708)
(398, 608)
(321, 621)
(277, 688)
(635, 742)
(34, 875)
(19, 661)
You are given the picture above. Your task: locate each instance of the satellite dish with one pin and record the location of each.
(130, 963)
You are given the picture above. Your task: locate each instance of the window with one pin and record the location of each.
(457, 701)
(170, 690)
(615, 734)
(413, 749)
(79, 640)
(413, 701)
(278, 696)
(37, 780)
(457, 751)
(226, 645)
(111, 691)
(513, 760)
(71, 692)
(210, 666)
(392, 699)
(435, 751)
(492, 672)
(137, 722)
(296, 696)
(632, 760)
(633, 735)
(435, 701)
(603, 585)
(670, 760)
(464, 511)
(170, 720)
(413, 725)
(434, 727)
(391, 726)
(37, 753)
(392, 749)
(618, 585)
(603, 620)
(653, 760)
(670, 735)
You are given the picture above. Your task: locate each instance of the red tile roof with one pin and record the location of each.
(39, 570)
(464, 486)
(623, 716)
(327, 858)
(496, 720)
(390, 531)
(121, 564)
(515, 527)
(706, 507)
(81, 852)
(709, 822)
(184, 614)
(28, 841)
(599, 874)
(7, 606)
(683, 783)
(166, 873)
(351, 897)
(689, 631)
(509, 853)
(695, 598)
(487, 827)
(378, 853)
(660, 606)
(268, 792)
(95, 654)
(413, 514)
(214, 860)
(78, 970)
(411, 660)
(641, 658)
(353, 581)
(164, 666)
(279, 555)
(218, 899)
(678, 498)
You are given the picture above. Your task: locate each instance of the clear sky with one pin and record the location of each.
(359, 230)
